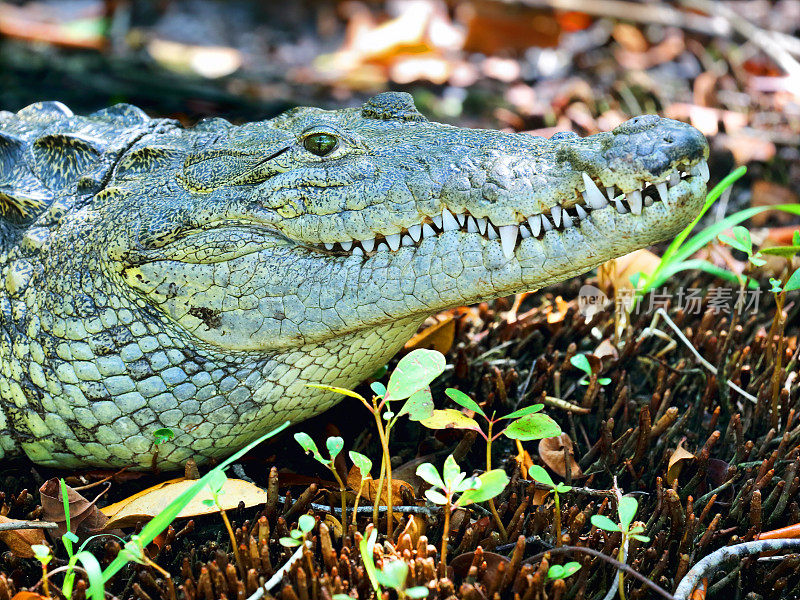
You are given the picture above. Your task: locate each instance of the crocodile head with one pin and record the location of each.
(307, 248)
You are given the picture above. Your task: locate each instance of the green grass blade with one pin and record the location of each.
(164, 518)
(96, 589)
(701, 265)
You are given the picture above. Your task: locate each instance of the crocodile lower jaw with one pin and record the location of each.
(558, 218)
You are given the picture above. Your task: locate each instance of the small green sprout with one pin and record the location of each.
(626, 511)
(164, 434)
(538, 473)
(215, 484)
(364, 465)
(581, 362)
(525, 424)
(298, 536)
(742, 241)
(335, 445)
(563, 571)
(453, 481)
(44, 556)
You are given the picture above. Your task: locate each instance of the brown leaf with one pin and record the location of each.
(20, 541)
(85, 518)
(766, 193)
(438, 336)
(676, 462)
(146, 504)
(370, 490)
(553, 452)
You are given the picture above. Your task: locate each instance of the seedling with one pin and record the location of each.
(410, 382)
(523, 424)
(44, 556)
(538, 473)
(626, 510)
(742, 241)
(581, 362)
(335, 445)
(364, 465)
(160, 436)
(453, 481)
(563, 571)
(215, 485)
(298, 536)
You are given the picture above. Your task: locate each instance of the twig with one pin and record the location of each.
(715, 561)
(276, 578)
(15, 525)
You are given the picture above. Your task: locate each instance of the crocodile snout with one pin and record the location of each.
(655, 145)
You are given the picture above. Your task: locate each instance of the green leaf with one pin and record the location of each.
(563, 571)
(289, 542)
(296, 534)
(759, 262)
(604, 381)
(378, 388)
(393, 574)
(95, 574)
(335, 445)
(470, 483)
(209, 502)
(462, 399)
(164, 434)
(161, 521)
(414, 372)
(581, 362)
(306, 523)
(419, 406)
(793, 283)
(627, 511)
(492, 483)
(524, 412)
(538, 473)
(796, 238)
(700, 265)
(71, 537)
(308, 445)
(784, 251)
(603, 522)
(41, 552)
(641, 538)
(430, 475)
(741, 240)
(338, 390)
(363, 463)
(366, 548)
(450, 418)
(532, 427)
(342, 597)
(563, 488)
(217, 481)
(450, 472)
(436, 497)
(417, 592)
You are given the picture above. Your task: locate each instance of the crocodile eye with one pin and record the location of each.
(320, 143)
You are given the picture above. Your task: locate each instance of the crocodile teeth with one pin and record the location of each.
(555, 212)
(449, 222)
(663, 191)
(535, 223)
(328, 246)
(482, 224)
(437, 220)
(648, 201)
(619, 206)
(491, 232)
(472, 226)
(701, 170)
(346, 245)
(508, 239)
(546, 223)
(635, 201)
(524, 232)
(415, 231)
(381, 247)
(582, 214)
(368, 245)
(357, 251)
(674, 178)
(593, 196)
(567, 219)
(610, 192)
(461, 218)
(394, 241)
(428, 231)
(406, 241)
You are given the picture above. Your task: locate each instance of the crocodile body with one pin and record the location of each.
(155, 276)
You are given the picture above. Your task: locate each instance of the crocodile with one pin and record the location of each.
(156, 276)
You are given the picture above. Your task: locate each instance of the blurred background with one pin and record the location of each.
(729, 68)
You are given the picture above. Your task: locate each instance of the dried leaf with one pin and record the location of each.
(370, 490)
(19, 541)
(438, 336)
(553, 453)
(85, 517)
(146, 504)
(676, 462)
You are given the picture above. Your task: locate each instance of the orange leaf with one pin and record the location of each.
(25, 595)
(676, 462)
(436, 337)
(20, 541)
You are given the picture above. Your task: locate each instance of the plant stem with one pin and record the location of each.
(445, 535)
(387, 469)
(45, 581)
(503, 533)
(342, 492)
(355, 503)
(242, 571)
(621, 558)
(377, 503)
(557, 516)
(776, 374)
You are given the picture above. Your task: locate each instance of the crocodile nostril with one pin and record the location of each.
(668, 139)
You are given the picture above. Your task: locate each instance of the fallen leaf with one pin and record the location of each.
(617, 273)
(766, 193)
(19, 541)
(676, 462)
(553, 452)
(370, 489)
(438, 336)
(85, 518)
(523, 459)
(148, 503)
(25, 595)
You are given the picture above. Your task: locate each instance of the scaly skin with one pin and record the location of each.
(198, 279)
